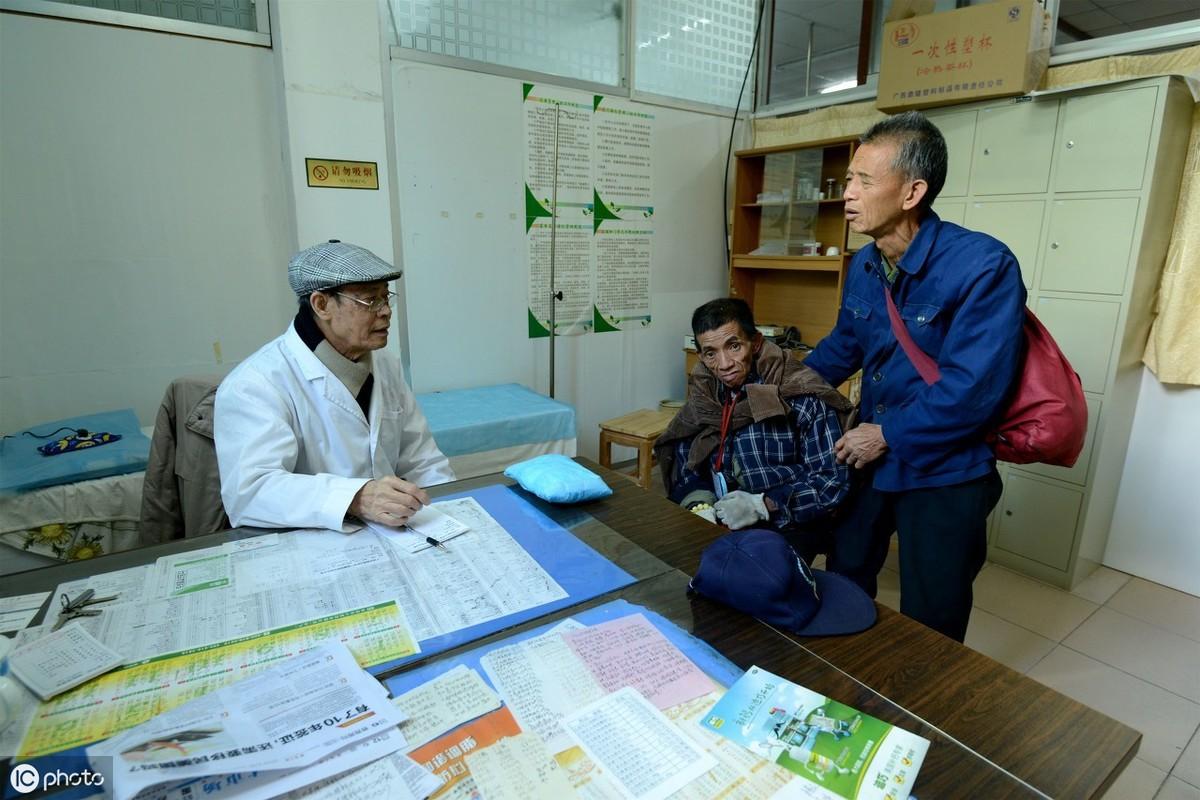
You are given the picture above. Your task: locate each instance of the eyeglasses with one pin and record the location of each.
(372, 306)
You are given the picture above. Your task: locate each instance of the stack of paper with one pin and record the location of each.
(308, 718)
(430, 523)
(62, 660)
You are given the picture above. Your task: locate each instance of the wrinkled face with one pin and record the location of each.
(728, 353)
(875, 193)
(350, 326)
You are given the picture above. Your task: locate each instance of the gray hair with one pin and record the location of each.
(921, 152)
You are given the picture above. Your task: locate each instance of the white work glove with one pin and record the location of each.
(740, 509)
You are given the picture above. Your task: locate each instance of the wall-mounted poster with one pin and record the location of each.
(603, 224)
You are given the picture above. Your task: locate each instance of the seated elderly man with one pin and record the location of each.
(755, 440)
(318, 426)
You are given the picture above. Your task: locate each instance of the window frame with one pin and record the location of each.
(1164, 37)
(129, 19)
(626, 59)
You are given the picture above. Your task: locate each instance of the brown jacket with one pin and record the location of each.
(783, 378)
(181, 496)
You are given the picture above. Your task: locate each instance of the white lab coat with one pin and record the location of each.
(293, 446)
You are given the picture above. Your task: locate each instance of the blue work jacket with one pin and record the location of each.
(960, 295)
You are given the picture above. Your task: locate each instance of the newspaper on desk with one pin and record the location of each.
(241, 588)
(189, 618)
(288, 717)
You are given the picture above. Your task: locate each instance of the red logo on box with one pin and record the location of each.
(905, 34)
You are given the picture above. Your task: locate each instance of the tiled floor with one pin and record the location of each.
(1120, 644)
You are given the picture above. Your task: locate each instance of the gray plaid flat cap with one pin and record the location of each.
(335, 263)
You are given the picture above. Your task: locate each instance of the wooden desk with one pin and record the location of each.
(1063, 748)
(951, 770)
(985, 721)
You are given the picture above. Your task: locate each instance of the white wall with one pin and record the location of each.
(334, 108)
(143, 223)
(459, 161)
(1156, 526)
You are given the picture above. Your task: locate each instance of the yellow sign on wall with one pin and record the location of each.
(328, 174)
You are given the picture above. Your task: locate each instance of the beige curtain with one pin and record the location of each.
(1173, 350)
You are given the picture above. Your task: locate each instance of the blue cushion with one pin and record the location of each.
(22, 467)
(557, 479)
(492, 417)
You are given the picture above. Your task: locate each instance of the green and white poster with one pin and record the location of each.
(604, 213)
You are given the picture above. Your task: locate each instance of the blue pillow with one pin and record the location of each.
(557, 479)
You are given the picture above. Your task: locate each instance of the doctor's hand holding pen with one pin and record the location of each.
(389, 501)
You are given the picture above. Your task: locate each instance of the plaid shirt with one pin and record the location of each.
(789, 459)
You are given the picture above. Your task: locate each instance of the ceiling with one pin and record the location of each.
(1089, 19)
(835, 32)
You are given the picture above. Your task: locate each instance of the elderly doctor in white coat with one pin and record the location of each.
(318, 428)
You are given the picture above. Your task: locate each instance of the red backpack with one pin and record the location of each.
(1046, 418)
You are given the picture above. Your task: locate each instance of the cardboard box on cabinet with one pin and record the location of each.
(974, 53)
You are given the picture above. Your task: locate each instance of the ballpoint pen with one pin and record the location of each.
(435, 542)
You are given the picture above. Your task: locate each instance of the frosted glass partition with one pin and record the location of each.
(240, 14)
(580, 39)
(693, 49)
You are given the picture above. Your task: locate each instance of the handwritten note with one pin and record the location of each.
(542, 680)
(396, 777)
(62, 660)
(645, 755)
(630, 651)
(739, 772)
(443, 703)
(518, 767)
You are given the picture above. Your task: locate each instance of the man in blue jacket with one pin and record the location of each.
(928, 472)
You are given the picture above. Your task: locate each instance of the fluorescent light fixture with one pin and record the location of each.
(839, 86)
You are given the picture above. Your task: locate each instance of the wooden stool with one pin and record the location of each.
(640, 430)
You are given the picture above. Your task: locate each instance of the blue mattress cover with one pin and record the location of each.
(490, 417)
(23, 468)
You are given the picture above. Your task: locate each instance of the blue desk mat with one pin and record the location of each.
(579, 570)
(23, 468)
(712, 663)
(490, 417)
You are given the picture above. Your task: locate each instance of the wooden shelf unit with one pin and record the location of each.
(782, 286)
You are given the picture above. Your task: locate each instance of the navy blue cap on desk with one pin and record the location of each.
(757, 571)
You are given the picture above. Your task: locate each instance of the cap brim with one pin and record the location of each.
(845, 607)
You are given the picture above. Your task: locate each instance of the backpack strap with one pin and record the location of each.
(927, 368)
